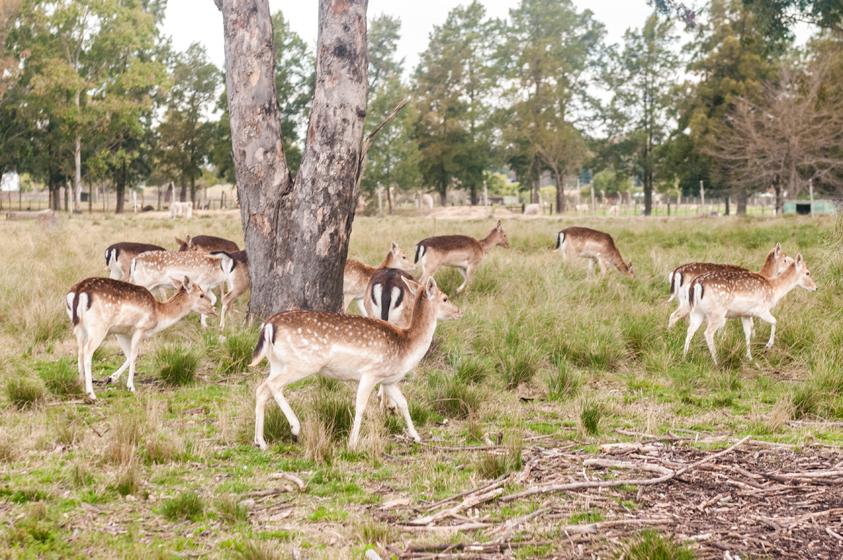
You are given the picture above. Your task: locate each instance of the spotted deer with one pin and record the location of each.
(717, 296)
(390, 296)
(681, 278)
(98, 307)
(206, 243)
(458, 251)
(594, 246)
(157, 269)
(118, 257)
(356, 276)
(299, 344)
(235, 266)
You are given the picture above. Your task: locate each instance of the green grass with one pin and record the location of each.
(176, 365)
(60, 377)
(23, 392)
(186, 506)
(652, 546)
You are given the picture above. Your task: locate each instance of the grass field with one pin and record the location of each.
(546, 367)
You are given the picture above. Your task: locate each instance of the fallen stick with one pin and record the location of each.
(473, 547)
(609, 464)
(806, 474)
(593, 528)
(494, 484)
(468, 502)
(504, 531)
(446, 528)
(551, 488)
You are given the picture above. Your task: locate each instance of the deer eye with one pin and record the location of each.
(446, 299)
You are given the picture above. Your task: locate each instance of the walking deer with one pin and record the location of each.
(356, 276)
(299, 344)
(716, 296)
(458, 251)
(595, 246)
(98, 307)
(156, 269)
(207, 244)
(235, 266)
(118, 257)
(681, 278)
(390, 296)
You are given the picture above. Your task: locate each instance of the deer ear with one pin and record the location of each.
(430, 288)
(799, 259)
(180, 242)
(412, 286)
(394, 247)
(778, 250)
(188, 285)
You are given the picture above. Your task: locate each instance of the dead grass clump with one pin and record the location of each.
(125, 434)
(317, 440)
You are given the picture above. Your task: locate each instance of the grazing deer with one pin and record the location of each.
(716, 296)
(207, 244)
(98, 307)
(157, 269)
(235, 266)
(595, 246)
(356, 276)
(459, 251)
(681, 278)
(299, 344)
(118, 257)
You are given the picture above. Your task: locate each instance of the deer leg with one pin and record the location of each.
(767, 317)
(714, 325)
(280, 377)
(602, 266)
(590, 267)
(137, 336)
(80, 353)
(262, 394)
(693, 325)
(364, 389)
(747, 332)
(394, 393)
(126, 346)
(223, 309)
(94, 339)
(386, 402)
(680, 313)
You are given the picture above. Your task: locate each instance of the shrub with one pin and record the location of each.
(186, 506)
(24, 392)
(176, 365)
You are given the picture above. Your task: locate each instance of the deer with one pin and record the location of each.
(716, 296)
(118, 257)
(207, 244)
(98, 307)
(681, 277)
(157, 269)
(594, 246)
(235, 266)
(458, 251)
(390, 296)
(299, 344)
(356, 276)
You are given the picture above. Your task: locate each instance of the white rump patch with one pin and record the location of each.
(70, 305)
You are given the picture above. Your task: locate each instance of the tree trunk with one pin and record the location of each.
(120, 187)
(77, 160)
(55, 197)
(389, 200)
(183, 192)
(296, 231)
(648, 193)
(443, 196)
(66, 197)
(560, 192)
(193, 191)
(472, 191)
(727, 204)
(740, 204)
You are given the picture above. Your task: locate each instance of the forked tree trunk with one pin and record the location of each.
(296, 229)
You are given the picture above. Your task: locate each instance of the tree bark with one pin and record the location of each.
(77, 161)
(183, 192)
(560, 191)
(296, 230)
(740, 202)
(193, 191)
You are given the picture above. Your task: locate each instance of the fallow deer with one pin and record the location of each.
(356, 276)
(594, 246)
(235, 266)
(98, 307)
(157, 269)
(299, 344)
(207, 243)
(458, 251)
(390, 296)
(118, 257)
(681, 278)
(716, 296)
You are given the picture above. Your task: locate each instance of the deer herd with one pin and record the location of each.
(397, 316)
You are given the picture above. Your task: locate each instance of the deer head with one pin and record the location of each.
(397, 259)
(199, 300)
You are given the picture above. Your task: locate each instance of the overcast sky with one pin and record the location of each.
(189, 21)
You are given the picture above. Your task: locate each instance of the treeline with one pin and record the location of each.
(94, 94)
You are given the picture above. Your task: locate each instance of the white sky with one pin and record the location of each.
(190, 21)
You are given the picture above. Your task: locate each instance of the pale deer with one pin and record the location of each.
(594, 246)
(157, 269)
(716, 296)
(458, 251)
(299, 344)
(681, 278)
(236, 268)
(181, 210)
(207, 243)
(98, 307)
(356, 276)
(118, 257)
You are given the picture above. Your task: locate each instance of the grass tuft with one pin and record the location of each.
(230, 510)
(591, 412)
(60, 377)
(563, 383)
(236, 351)
(186, 506)
(450, 397)
(176, 365)
(650, 545)
(24, 393)
(257, 550)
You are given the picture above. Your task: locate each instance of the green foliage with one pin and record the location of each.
(451, 397)
(186, 506)
(24, 392)
(651, 546)
(60, 377)
(176, 365)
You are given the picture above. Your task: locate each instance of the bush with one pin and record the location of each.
(24, 392)
(186, 506)
(60, 377)
(176, 365)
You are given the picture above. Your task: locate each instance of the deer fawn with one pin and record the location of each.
(100, 306)
(459, 251)
(299, 344)
(118, 257)
(716, 296)
(157, 269)
(207, 244)
(356, 276)
(681, 278)
(595, 246)
(235, 266)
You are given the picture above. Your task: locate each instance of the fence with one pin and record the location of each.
(106, 201)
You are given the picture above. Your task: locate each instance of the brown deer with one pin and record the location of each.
(207, 244)
(299, 344)
(118, 257)
(390, 296)
(458, 251)
(716, 296)
(157, 269)
(98, 307)
(235, 266)
(356, 276)
(681, 278)
(594, 246)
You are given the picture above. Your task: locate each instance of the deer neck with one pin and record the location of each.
(171, 311)
(419, 334)
(488, 242)
(387, 262)
(768, 269)
(784, 283)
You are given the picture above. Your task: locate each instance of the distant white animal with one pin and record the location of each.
(181, 210)
(427, 202)
(533, 210)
